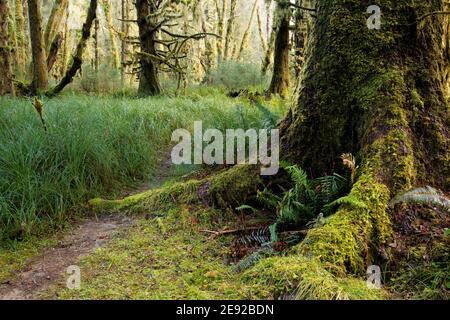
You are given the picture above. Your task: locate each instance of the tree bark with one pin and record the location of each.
(227, 54)
(6, 76)
(280, 77)
(247, 32)
(109, 21)
(54, 22)
(40, 74)
(148, 81)
(380, 94)
(22, 43)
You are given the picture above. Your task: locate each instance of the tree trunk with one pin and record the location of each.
(148, 81)
(244, 42)
(230, 30)
(40, 74)
(6, 76)
(380, 94)
(54, 22)
(78, 57)
(280, 77)
(221, 22)
(22, 44)
(109, 21)
(53, 51)
(124, 46)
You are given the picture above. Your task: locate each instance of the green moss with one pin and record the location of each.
(306, 279)
(345, 243)
(162, 258)
(15, 257)
(229, 188)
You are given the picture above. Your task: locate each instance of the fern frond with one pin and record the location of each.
(298, 176)
(330, 187)
(268, 198)
(426, 196)
(252, 259)
(348, 200)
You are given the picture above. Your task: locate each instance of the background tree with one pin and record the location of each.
(6, 76)
(40, 73)
(77, 59)
(280, 76)
(148, 27)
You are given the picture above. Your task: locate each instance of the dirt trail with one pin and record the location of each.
(90, 234)
(46, 268)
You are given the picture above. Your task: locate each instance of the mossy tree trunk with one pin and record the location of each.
(22, 43)
(40, 73)
(107, 8)
(148, 81)
(221, 23)
(228, 48)
(380, 94)
(280, 77)
(54, 22)
(81, 46)
(6, 77)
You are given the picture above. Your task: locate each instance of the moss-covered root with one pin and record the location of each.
(228, 188)
(306, 279)
(349, 242)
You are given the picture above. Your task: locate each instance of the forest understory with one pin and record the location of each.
(348, 99)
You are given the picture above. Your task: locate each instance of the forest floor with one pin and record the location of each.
(164, 256)
(31, 279)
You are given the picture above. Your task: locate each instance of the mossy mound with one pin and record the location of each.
(298, 277)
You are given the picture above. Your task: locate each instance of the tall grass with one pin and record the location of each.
(93, 146)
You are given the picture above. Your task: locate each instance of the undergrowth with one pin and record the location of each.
(93, 146)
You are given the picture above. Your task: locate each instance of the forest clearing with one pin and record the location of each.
(224, 150)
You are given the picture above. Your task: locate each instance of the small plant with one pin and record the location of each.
(309, 202)
(424, 196)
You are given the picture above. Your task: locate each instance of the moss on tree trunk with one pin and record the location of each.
(148, 82)
(280, 77)
(380, 94)
(6, 77)
(40, 74)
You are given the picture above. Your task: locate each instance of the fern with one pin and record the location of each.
(426, 196)
(348, 200)
(309, 202)
(246, 207)
(268, 198)
(298, 176)
(253, 258)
